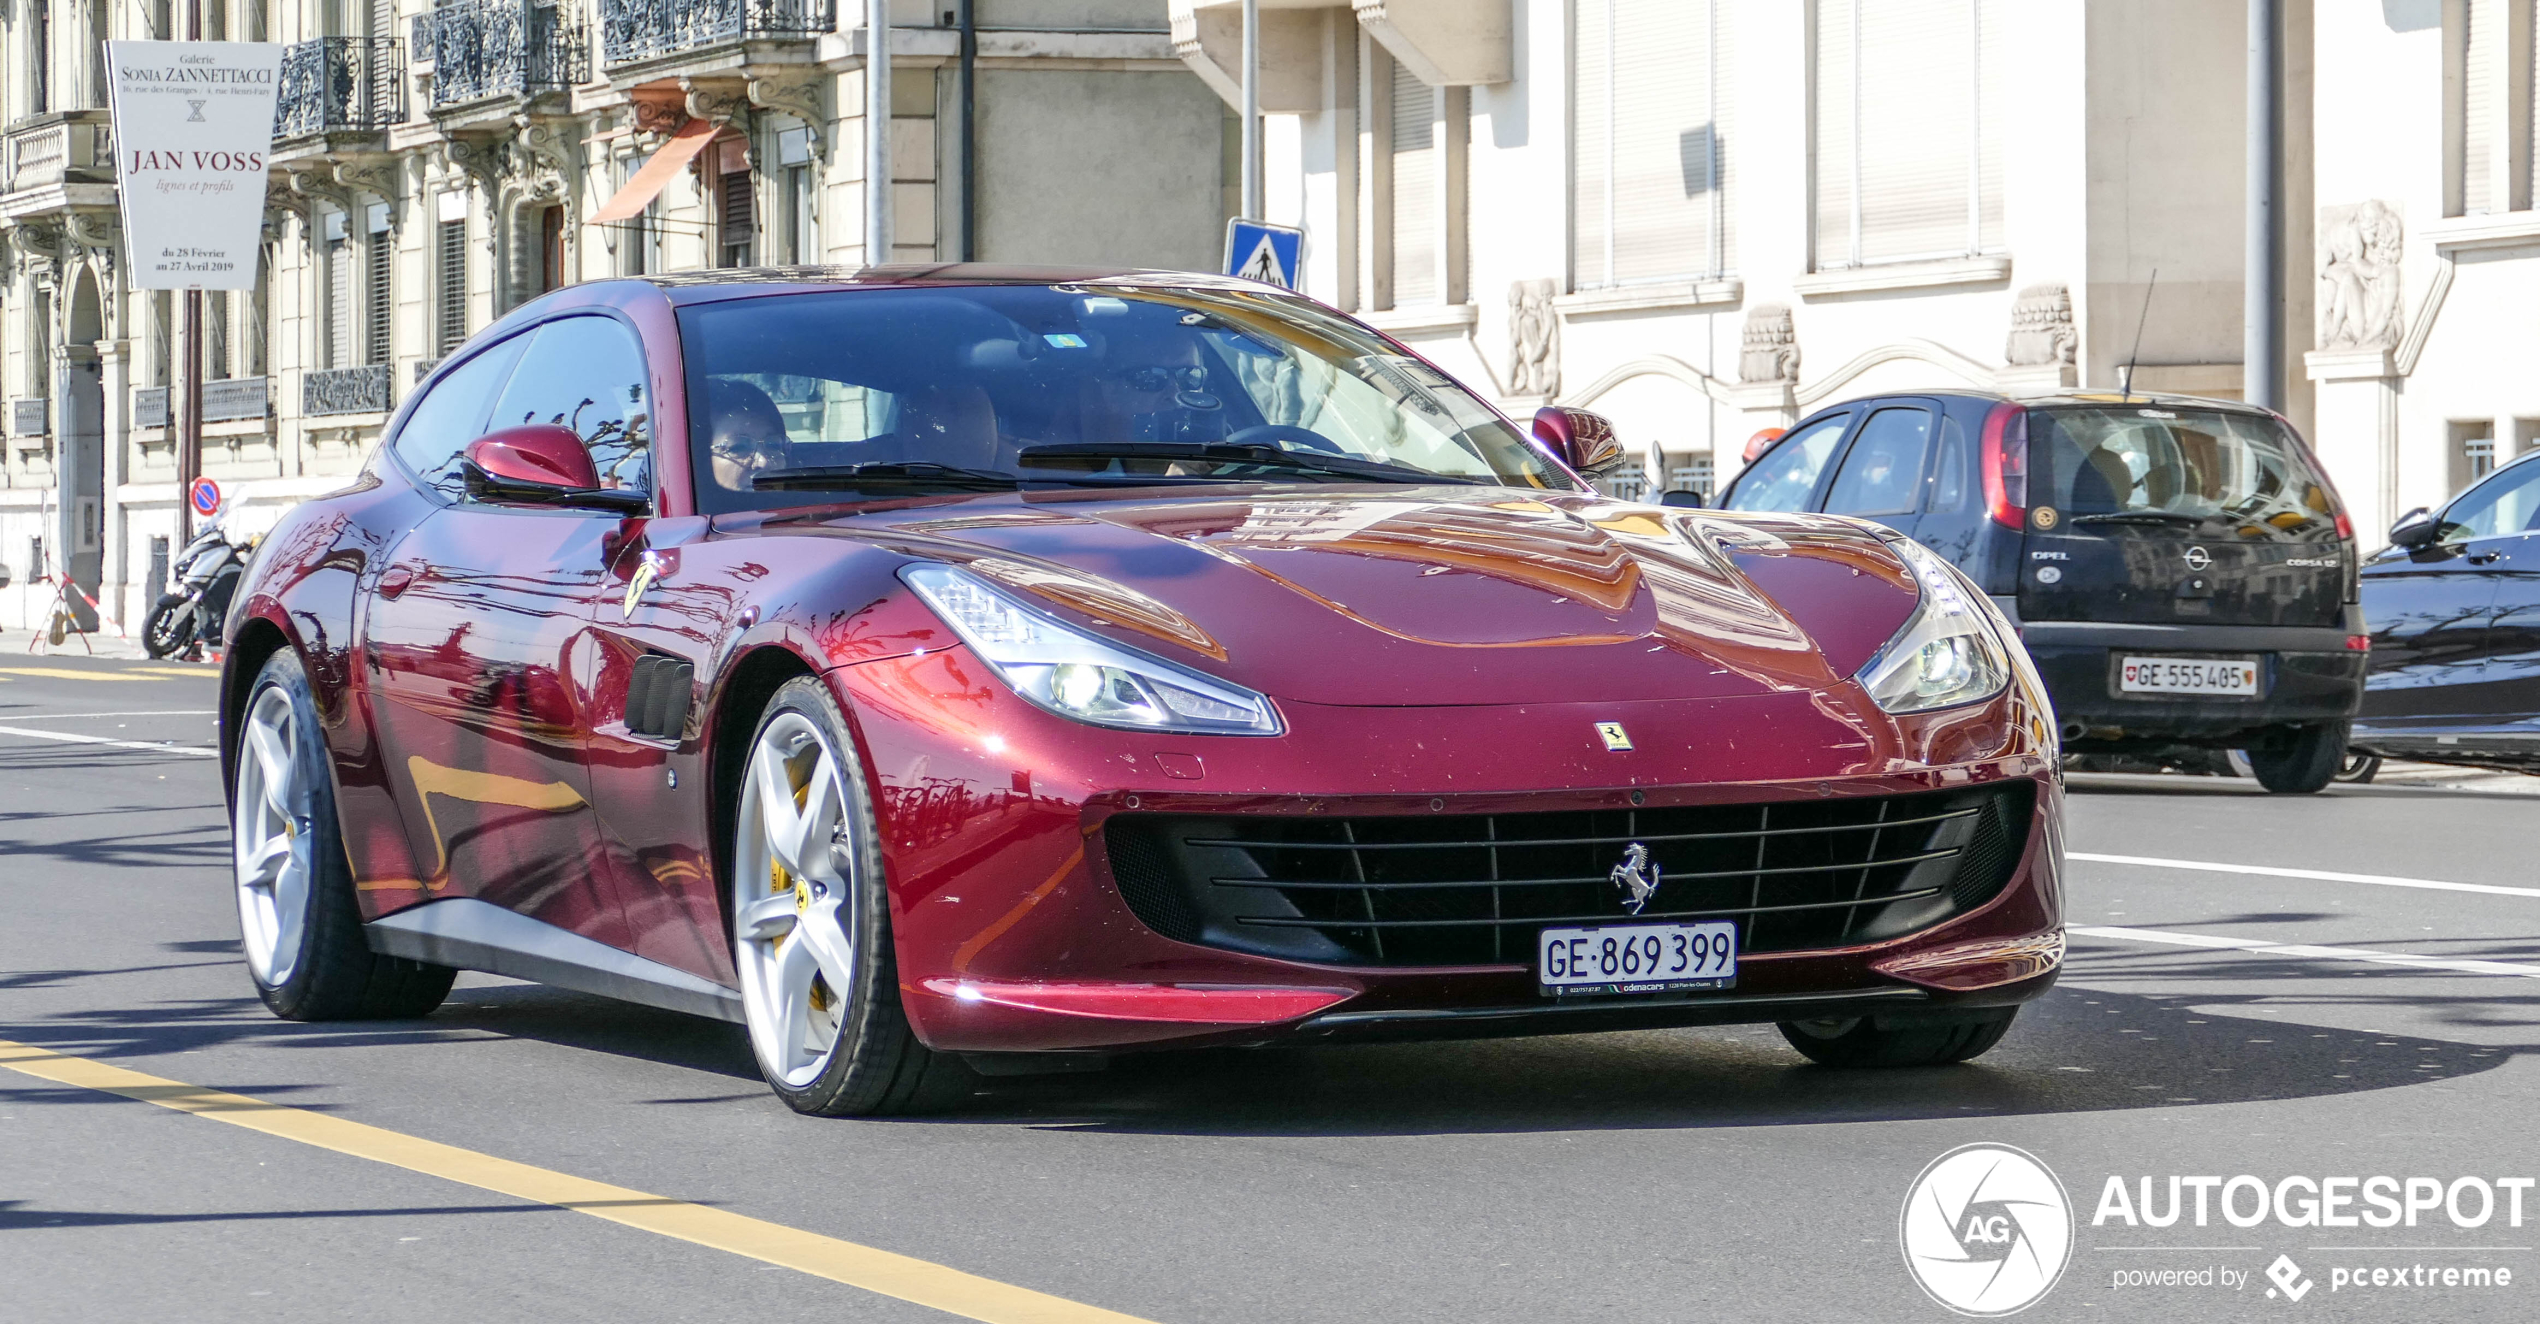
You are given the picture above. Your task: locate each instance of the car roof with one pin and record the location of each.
(690, 287)
(2058, 399)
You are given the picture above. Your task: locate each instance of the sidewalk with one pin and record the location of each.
(105, 643)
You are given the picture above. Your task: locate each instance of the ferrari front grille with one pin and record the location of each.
(1473, 889)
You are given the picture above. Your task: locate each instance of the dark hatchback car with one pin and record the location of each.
(2455, 606)
(2181, 569)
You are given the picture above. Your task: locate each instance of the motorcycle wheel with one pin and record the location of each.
(166, 631)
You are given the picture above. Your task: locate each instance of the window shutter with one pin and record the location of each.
(1836, 109)
(339, 302)
(451, 299)
(740, 207)
(1417, 216)
(1649, 139)
(2484, 20)
(1909, 159)
(377, 309)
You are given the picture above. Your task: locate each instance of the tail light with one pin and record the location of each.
(2345, 526)
(2359, 643)
(2006, 465)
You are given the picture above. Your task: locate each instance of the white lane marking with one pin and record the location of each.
(2305, 951)
(67, 715)
(2321, 875)
(190, 751)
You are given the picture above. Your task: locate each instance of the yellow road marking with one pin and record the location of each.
(925, 1283)
(65, 673)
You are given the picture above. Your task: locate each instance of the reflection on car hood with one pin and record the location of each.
(1439, 595)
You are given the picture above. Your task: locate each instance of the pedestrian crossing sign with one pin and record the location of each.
(1258, 250)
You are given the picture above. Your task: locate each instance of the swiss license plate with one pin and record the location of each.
(1638, 958)
(2187, 675)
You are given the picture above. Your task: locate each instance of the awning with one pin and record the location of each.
(649, 181)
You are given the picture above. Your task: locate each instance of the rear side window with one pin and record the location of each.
(452, 413)
(2197, 464)
(1786, 476)
(587, 374)
(2508, 502)
(1885, 465)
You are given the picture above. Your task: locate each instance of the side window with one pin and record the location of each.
(2506, 503)
(1882, 471)
(1950, 469)
(452, 414)
(587, 374)
(1787, 474)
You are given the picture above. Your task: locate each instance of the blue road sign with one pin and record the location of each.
(1258, 250)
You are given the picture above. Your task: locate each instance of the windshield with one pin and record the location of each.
(2143, 464)
(1084, 384)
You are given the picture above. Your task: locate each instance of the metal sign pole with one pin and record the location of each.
(877, 132)
(185, 402)
(1252, 110)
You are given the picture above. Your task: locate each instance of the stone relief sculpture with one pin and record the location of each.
(1769, 346)
(1534, 339)
(2042, 328)
(2359, 276)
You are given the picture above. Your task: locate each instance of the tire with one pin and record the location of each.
(163, 632)
(810, 911)
(300, 927)
(2306, 763)
(2359, 767)
(1863, 1042)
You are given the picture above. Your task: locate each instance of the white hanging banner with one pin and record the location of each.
(193, 130)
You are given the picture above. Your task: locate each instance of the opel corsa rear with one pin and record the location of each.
(954, 670)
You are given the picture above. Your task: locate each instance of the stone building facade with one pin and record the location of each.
(436, 165)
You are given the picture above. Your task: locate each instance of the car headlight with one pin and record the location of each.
(1083, 676)
(1947, 653)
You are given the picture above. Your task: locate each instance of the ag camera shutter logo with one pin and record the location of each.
(1986, 1230)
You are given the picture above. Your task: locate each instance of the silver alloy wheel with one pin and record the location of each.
(793, 912)
(270, 838)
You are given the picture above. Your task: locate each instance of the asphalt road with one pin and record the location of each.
(2363, 1026)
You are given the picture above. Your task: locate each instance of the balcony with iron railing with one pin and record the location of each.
(514, 49)
(645, 31)
(340, 85)
(357, 390)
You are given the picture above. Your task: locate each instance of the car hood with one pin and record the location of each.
(1428, 596)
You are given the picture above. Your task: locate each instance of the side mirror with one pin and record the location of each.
(1688, 500)
(2418, 528)
(541, 464)
(1584, 441)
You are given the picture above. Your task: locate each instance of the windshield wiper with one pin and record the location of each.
(2138, 517)
(905, 473)
(1225, 453)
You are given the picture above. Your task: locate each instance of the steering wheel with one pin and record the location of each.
(1285, 436)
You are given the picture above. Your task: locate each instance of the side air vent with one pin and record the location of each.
(658, 695)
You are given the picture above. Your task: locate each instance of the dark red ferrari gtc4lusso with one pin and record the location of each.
(942, 670)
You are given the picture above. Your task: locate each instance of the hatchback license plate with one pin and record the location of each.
(2187, 675)
(1638, 958)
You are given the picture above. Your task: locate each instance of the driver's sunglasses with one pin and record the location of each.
(1165, 379)
(742, 450)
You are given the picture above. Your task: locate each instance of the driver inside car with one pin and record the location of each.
(749, 433)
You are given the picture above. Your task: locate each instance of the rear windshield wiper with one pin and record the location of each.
(907, 473)
(1224, 453)
(2138, 517)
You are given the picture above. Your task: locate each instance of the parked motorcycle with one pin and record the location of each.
(206, 575)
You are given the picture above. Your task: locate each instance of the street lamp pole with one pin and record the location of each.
(185, 401)
(2262, 308)
(877, 131)
(1252, 110)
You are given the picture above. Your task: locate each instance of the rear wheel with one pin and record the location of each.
(300, 927)
(1863, 1042)
(811, 925)
(167, 628)
(2305, 763)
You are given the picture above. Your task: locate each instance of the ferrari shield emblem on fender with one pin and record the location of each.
(1612, 734)
(645, 574)
(1637, 875)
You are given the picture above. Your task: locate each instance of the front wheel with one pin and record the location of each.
(168, 628)
(2307, 762)
(811, 925)
(1863, 1042)
(300, 927)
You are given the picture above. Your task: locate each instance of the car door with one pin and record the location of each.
(2449, 618)
(1880, 476)
(473, 642)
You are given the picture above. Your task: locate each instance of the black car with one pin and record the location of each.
(2181, 569)
(2455, 606)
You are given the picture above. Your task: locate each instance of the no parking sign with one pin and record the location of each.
(204, 495)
